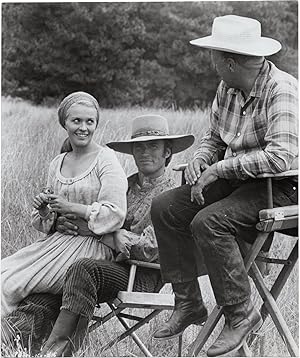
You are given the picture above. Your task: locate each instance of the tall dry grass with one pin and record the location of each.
(31, 137)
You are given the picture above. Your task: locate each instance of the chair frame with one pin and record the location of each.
(277, 223)
(129, 299)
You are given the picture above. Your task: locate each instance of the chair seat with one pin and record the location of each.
(144, 300)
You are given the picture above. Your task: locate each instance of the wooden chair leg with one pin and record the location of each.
(285, 272)
(279, 282)
(179, 346)
(130, 331)
(214, 317)
(274, 311)
(101, 320)
(252, 254)
(136, 339)
(281, 279)
(206, 331)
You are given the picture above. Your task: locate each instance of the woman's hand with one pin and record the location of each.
(65, 225)
(40, 201)
(59, 204)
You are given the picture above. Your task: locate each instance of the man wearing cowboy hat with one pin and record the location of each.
(253, 130)
(89, 281)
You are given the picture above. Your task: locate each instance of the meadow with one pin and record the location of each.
(31, 137)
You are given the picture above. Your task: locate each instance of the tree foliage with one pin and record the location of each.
(126, 53)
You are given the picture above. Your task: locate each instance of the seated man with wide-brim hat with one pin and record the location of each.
(254, 130)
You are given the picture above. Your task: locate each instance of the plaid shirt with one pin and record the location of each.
(256, 135)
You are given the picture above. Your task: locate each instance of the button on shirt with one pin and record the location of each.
(256, 135)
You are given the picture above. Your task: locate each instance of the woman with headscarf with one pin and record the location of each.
(88, 182)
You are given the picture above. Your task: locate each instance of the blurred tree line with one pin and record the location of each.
(127, 53)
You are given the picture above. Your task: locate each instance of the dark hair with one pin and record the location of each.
(66, 146)
(168, 144)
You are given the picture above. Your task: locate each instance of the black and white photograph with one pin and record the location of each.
(149, 179)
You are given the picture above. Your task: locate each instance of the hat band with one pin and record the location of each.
(149, 133)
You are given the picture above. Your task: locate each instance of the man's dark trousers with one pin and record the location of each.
(184, 229)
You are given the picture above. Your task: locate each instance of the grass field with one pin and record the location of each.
(31, 137)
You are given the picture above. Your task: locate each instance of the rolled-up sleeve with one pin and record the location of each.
(108, 213)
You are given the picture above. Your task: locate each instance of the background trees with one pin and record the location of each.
(126, 53)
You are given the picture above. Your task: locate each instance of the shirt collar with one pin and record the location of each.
(259, 83)
(261, 80)
(133, 180)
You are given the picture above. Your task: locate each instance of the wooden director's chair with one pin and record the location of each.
(155, 301)
(283, 220)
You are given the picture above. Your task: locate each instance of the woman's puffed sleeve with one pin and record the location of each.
(108, 213)
(45, 223)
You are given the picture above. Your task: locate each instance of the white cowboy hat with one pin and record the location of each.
(152, 127)
(237, 34)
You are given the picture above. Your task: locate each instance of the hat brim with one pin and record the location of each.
(179, 142)
(264, 46)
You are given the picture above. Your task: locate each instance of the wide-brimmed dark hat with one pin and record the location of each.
(152, 127)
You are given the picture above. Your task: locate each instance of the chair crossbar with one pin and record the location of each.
(285, 272)
(131, 330)
(279, 283)
(136, 339)
(101, 320)
(270, 260)
(269, 297)
(145, 264)
(253, 253)
(274, 311)
(130, 316)
(214, 317)
(129, 299)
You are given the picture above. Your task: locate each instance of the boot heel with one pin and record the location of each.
(168, 337)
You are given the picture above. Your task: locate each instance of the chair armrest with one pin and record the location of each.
(144, 264)
(134, 264)
(288, 173)
(180, 167)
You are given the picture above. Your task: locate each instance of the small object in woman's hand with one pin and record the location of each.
(48, 190)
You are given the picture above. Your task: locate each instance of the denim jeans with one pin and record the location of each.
(189, 234)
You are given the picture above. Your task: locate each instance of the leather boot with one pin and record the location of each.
(67, 335)
(189, 309)
(240, 320)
